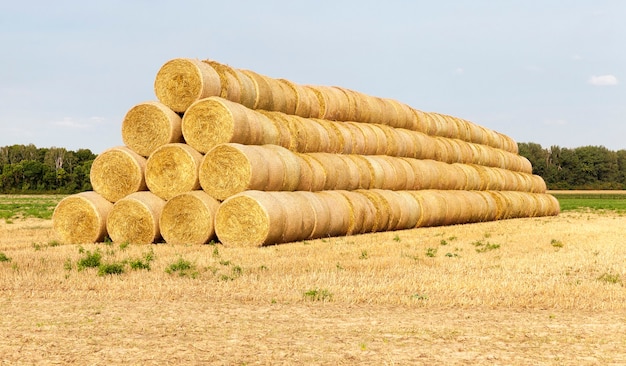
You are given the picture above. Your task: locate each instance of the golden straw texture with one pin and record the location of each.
(118, 172)
(188, 218)
(81, 218)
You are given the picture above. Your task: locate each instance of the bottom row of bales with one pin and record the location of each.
(256, 218)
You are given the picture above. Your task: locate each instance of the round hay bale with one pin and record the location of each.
(251, 218)
(363, 168)
(135, 219)
(291, 96)
(149, 125)
(383, 217)
(299, 216)
(357, 137)
(317, 105)
(317, 180)
(352, 172)
(538, 185)
(118, 172)
(248, 89)
(291, 166)
(228, 169)
(424, 172)
(303, 100)
(173, 169)
(433, 207)
(428, 146)
(362, 213)
(212, 121)
(231, 88)
(188, 218)
(411, 210)
(337, 103)
(279, 99)
(335, 169)
(370, 139)
(404, 146)
(420, 122)
(265, 129)
(376, 171)
(263, 92)
(340, 212)
(81, 218)
(471, 177)
(322, 215)
(490, 211)
(352, 111)
(285, 137)
(383, 145)
(182, 81)
(336, 140)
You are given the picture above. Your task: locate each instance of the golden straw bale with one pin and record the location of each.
(135, 219)
(264, 98)
(284, 137)
(291, 166)
(303, 100)
(266, 128)
(335, 136)
(352, 106)
(212, 121)
(334, 170)
(384, 146)
(386, 216)
(490, 207)
(180, 82)
(148, 125)
(188, 218)
(291, 96)
(433, 207)
(317, 179)
(357, 137)
(411, 210)
(370, 138)
(231, 88)
(81, 218)
(425, 173)
(250, 218)
(538, 185)
(118, 172)
(421, 123)
(173, 169)
(279, 99)
(364, 170)
(322, 215)
(352, 173)
(299, 216)
(362, 213)
(340, 212)
(248, 89)
(471, 179)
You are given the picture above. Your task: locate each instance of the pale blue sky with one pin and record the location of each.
(551, 72)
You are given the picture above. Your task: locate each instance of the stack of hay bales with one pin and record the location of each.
(250, 160)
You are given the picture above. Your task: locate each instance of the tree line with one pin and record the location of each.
(28, 169)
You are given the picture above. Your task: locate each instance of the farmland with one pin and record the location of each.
(525, 291)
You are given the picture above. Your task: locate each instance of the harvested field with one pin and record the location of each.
(542, 291)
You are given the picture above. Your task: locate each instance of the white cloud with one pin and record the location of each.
(69, 122)
(459, 71)
(555, 122)
(603, 80)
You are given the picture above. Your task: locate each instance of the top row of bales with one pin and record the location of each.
(181, 82)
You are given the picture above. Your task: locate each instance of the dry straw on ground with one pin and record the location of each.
(118, 172)
(149, 125)
(188, 218)
(135, 219)
(173, 169)
(81, 218)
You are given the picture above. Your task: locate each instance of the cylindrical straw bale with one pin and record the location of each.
(377, 171)
(357, 137)
(336, 140)
(118, 172)
(363, 167)
(212, 121)
(336, 170)
(421, 121)
(322, 214)
(188, 218)
(337, 103)
(303, 99)
(251, 218)
(384, 145)
(81, 218)
(285, 137)
(264, 98)
(362, 213)
(279, 102)
(173, 169)
(180, 82)
(384, 216)
(291, 96)
(340, 212)
(433, 207)
(538, 184)
(148, 125)
(299, 216)
(135, 219)
(352, 111)
(424, 172)
(291, 166)
(411, 211)
(491, 207)
(317, 179)
(231, 88)
(472, 178)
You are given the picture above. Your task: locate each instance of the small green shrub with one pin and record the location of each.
(110, 269)
(610, 278)
(482, 247)
(318, 295)
(183, 267)
(431, 252)
(556, 243)
(89, 260)
(4, 258)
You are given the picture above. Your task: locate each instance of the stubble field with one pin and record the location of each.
(541, 291)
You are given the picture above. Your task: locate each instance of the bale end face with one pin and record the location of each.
(135, 219)
(244, 221)
(180, 82)
(188, 218)
(81, 218)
